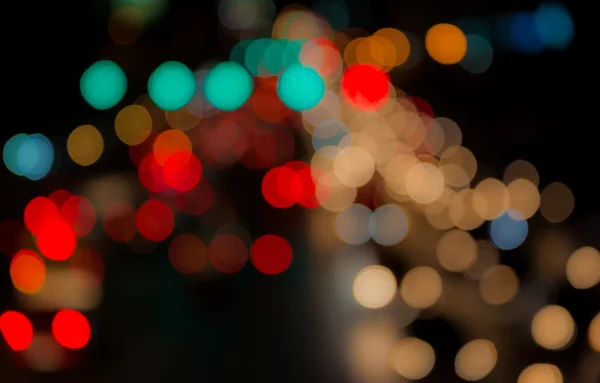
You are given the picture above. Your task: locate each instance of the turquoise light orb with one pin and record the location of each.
(103, 84)
(300, 88)
(228, 86)
(172, 85)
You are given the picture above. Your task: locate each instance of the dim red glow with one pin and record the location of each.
(119, 221)
(17, 330)
(271, 254)
(56, 240)
(228, 253)
(187, 254)
(155, 220)
(37, 212)
(365, 86)
(80, 214)
(71, 329)
(196, 201)
(91, 263)
(421, 105)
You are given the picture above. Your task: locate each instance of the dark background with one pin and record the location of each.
(157, 327)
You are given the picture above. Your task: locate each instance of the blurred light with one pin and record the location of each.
(228, 253)
(374, 287)
(594, 333)
(45, 354)
(16, 329)
(370, 347)
(524, 36)
(446, 44)
(412, 358)
(79, 213)
(103, 84)
(456, 250)
(11, 151)
(336, 13)
(555, 26)
(352, 224)
(119, 221)
(59, 197)
(541, 373)
(389, 225)
(300, 88)
(583, 268)
(133, 124)
(126, 25)
(487, 256)
(170, 142)
(479, 56)
(354, 166)
(245, 14)
(400, 43)
(155, 220)
(365, 86)
(39, 211)
(172, 85)
(35, 157)
(476, 360)
(424, 183)
(553, 327)
(330, 133)
(524, 197)
(498, 285)
(490, 199)
(476, 26)
(71, 329)
(421, 287)
(28, 272)
(557, 202)
(228, 86)
(271, 254)
(509, 231)
(56, 240)
(182, 171)
(151, 10)
(188, 254)
(85, 145)
(521, 169)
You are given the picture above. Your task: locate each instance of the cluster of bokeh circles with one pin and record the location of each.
(383, 168)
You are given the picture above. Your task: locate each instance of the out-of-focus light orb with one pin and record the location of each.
(583, 268)
(172, 85)
(555, 25)
(425, 183)
(300, 88)
(476, 360)
(553, 327)
(365, 86)
(389, 225)
(133, 124)
(456, 250)
(509, 231)
(35, 157)
(557, 202)
(541, 373)
(228, 86)
(103, 84)
(85, 145)
(479, 56)
(374, 287)
(594, 333)
(412, 358)
(498, 285)
(151, 10)
(446, 43)
(421, 287)
(523, 33)
(352, 224)
(11, 151)
(16, 329)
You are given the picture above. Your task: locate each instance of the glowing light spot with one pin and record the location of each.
(228, 253)
(365, 86)
(79, 213)
(56, 240)
(103, 84)
(17, 330)
(353, 224)
(39, 211)
(479, 55)
(300, 88)
(155, 220)
(28, 272)
(421, 287)
(412, 358)
(553, 327)
(133, 124)
(228, 86)
(172, 85)
(583, 268)
(476, 360)
(35, 157)
(446, 44)
(71, 329)
(374, 287)
(169, 143)
(187, 254)
(182, 171)
(555, 26)
(389, 225)
(85, 145)
(271, 254)
(509, 231)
